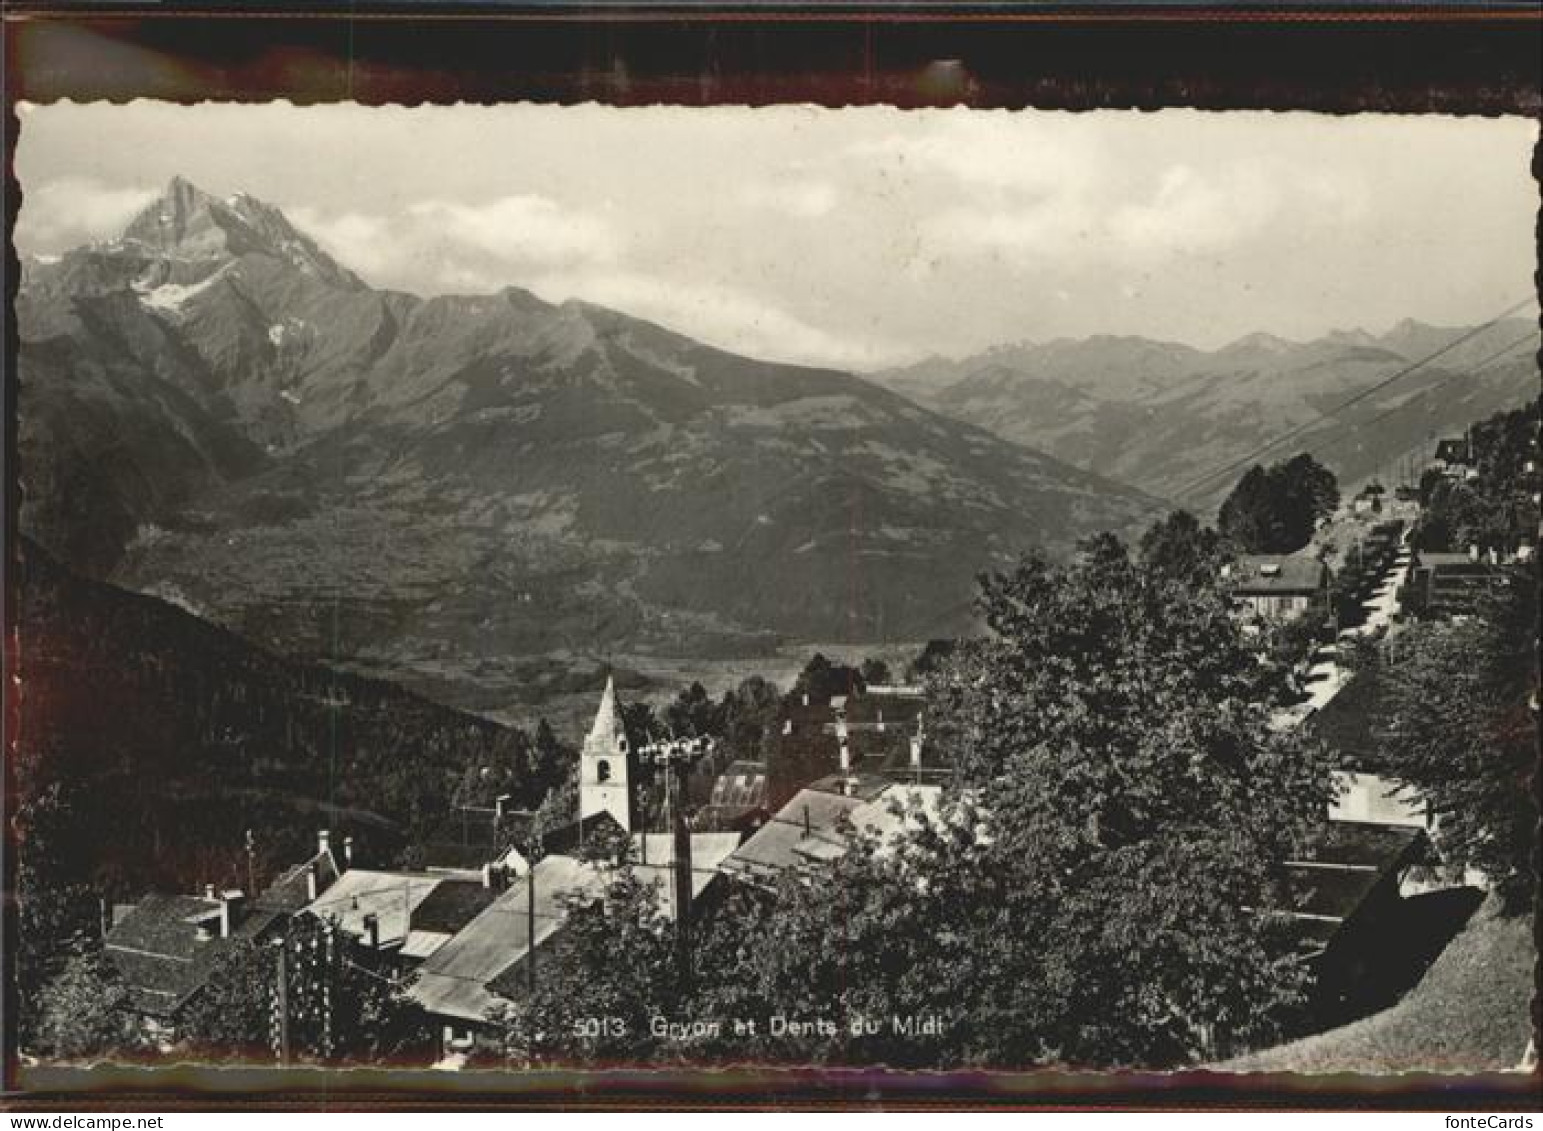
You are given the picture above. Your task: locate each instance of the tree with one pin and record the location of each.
(610, 972)
(340, 1007)
(1275, 510)
(693, 712)
(821, 679)
(1310, 490)
(750, 718)
(57, 915)
(552, 760)
(1457, 724)
(232, 1016)
(896, 954)
(83, 1012)
(1115, 726)
(1179, 547)
(873, 670)
(1247, 517)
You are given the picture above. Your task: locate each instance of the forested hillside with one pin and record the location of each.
(150, 741)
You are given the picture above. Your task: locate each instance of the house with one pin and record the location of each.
(375, 907)
(880, 729)
(166, 947)
(816, 824)
(470, 841)
(576, 838)
(1343, 902)
(738, 801)
(1454, 457)
(304, 882)
(485, 964)
(1277, 587)
(1369, 499)
(1444, 585)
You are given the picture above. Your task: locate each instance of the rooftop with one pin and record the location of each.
(809, 827)
(389, 896)
(1265, 574)
(1330, 880)
(457, 978)
(158, 951)
(452, 905)
(292, 890)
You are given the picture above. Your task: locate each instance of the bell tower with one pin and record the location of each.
(605, 783)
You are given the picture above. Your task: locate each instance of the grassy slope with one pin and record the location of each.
(1470, 1013)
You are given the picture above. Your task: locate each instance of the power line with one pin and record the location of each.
(1290, 433)
(1472, 371)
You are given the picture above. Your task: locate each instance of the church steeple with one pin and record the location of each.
(605, 783)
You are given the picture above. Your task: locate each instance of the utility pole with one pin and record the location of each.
(251, 866)
(535, 848)
(682, 877)
(676, 757)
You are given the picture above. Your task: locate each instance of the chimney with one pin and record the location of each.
(231, 903)
(312, 889)
(372, 930)
(348, 852)
(501, 806)
(487, 875)
(209, 893)
(1473, 552)
(323, 841)
(916, 750)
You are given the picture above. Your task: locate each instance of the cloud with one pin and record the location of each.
(433, 246)
(805, 199)
(68, 211)
(723, 316)
(522, 229)
(1183, 211)
(363, 243)
(990, 152)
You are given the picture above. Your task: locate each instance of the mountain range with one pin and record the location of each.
(1162, 415)
(215, 411)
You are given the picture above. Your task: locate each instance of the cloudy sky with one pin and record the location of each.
(855, 238)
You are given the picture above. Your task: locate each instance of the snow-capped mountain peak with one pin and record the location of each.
(187, 223)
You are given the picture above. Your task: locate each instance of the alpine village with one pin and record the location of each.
(493, 738)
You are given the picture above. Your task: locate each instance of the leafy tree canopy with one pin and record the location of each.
(1275, 510)
(1457, 722)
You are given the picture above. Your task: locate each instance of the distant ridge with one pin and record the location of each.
(1159, 415)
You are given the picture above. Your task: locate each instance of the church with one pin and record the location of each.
(486, 963)
(608, 765)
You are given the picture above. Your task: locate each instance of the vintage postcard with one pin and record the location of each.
(524, 586)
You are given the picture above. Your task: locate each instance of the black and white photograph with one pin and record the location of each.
(535, 586)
